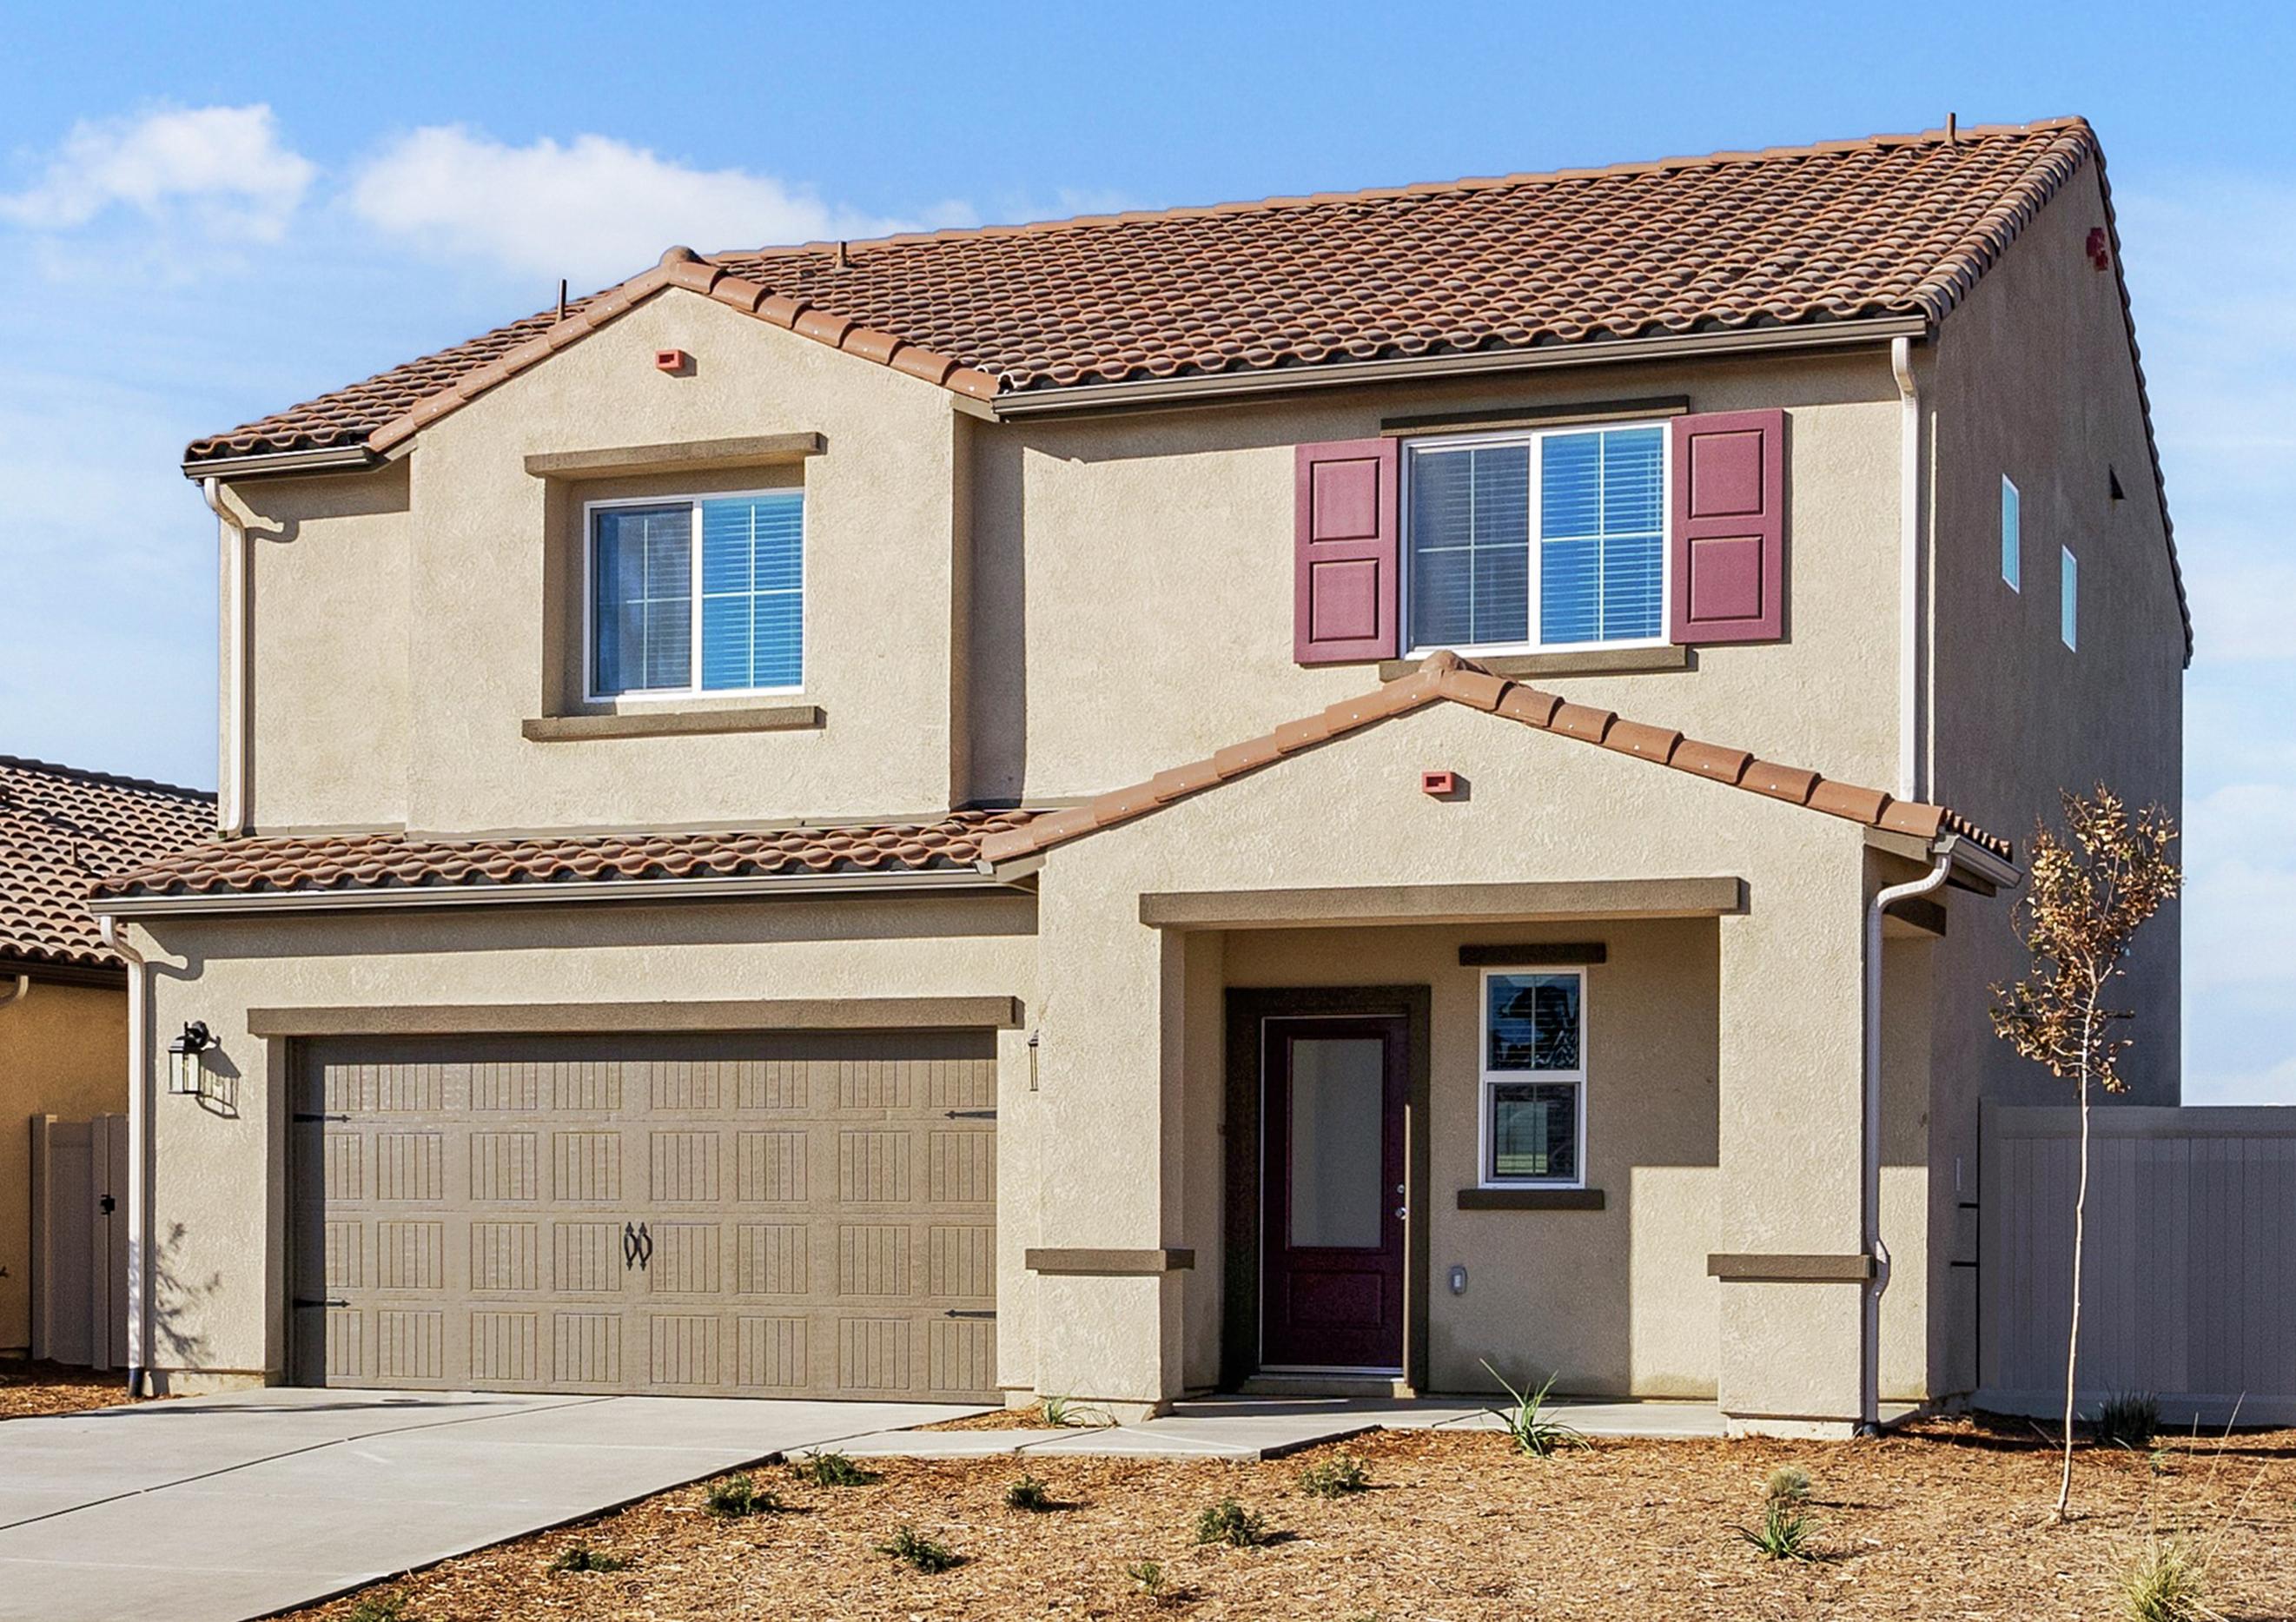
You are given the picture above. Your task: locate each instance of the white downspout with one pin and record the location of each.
(1869, 1191)
(231, 800)
(1909, 569)
(139, 1159)
(17, 992)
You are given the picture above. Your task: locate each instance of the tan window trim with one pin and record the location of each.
(1530, 1200)
(681, 457)
(1586, 661)
(1535, 416)
(671, 723)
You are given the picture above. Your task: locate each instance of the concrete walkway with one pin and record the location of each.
(218, 1509)
(1268, 1427)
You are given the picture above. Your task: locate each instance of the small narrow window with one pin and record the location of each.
(1534, 1078)
(697, 596)
(2069, 602)
(2013, 556)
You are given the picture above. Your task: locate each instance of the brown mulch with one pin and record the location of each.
(1949, 1520)
(30, 1389)
(1030, 1418)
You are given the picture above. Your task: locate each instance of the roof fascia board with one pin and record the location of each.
(215, 905)
(322, 459)
(1167, 392)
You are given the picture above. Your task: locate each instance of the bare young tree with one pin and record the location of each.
(2083, 903)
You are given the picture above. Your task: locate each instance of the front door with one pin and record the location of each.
(1332, 1181)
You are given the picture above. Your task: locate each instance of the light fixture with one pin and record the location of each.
(186, 1072)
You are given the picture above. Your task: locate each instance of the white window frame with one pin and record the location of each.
(1535, 438)
(2069, 599)
(694, 689)
(1486, 1078)
(2012, 535)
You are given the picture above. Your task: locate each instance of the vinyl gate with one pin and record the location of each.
(80, 1241)
(2189, 1267)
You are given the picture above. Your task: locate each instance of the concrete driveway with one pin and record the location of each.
(221, 1508)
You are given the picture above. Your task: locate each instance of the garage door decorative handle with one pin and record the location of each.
(629, 1246)
(645, 1247)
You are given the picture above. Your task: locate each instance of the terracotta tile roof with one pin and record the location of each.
(1447, 677)
(373, 861)
(61, 828)
(1889, 226)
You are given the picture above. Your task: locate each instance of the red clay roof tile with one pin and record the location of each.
(61, 828)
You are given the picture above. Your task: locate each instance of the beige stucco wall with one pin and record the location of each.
(1134, 599)
(454, 617)
(1752, 1058)
(219, 1181)
(63, 1051)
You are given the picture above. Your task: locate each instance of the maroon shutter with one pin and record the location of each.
(1730, 527)
(1346, 592)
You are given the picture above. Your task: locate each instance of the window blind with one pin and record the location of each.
(642, 598)
(1471, 546)
(1602, 535)
(752, 591)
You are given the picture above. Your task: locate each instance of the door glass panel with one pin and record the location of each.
(1337, 1108)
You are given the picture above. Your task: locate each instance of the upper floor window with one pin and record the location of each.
(696, 596)
(2012, 545)
(2069, 600)
(1540, 540)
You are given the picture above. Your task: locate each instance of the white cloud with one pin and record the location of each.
(592, 209)
(224, 170)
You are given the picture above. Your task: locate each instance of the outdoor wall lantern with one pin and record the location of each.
(185, 1071)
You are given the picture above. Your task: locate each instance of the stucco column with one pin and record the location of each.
(1107, 1131)
(1790, 1117)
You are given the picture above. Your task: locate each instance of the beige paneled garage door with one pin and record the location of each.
(771, 1214)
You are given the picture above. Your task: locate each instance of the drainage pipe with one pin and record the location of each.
(1909, 569)
(139, 1159)
(1869, 1212)
(231, 800)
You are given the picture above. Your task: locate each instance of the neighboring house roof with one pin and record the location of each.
(1889, 226)
(376, 861)
(1447, 677)
(61, 828)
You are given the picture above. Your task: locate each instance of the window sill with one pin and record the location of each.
(672, 723)
(1530, 1200)
(1586, 661)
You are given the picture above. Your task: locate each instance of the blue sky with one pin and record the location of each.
(209, 212)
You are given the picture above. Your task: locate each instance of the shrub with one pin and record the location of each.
(914, 1549)
(1063, 1411)
(1526, 1422)
(2131, 1420)
(739, 1496)
(830, 1468)
(1149, 1576)
(1335, 1478)
(1229, 1522)
(380, 1608)
(1787, 1484)
(582, 1557)
(1785, 1534)
(2165, 1580)
(1029, 1493)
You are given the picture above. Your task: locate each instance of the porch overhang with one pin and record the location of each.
(1339, 906)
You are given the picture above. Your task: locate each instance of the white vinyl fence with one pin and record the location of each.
(2188, 1276)
(80, 1241)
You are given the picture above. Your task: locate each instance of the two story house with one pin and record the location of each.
(1301, 796)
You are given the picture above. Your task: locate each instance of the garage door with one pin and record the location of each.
(772, 1214)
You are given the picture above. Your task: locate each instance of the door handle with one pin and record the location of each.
(630, 1246)
(645, 1247)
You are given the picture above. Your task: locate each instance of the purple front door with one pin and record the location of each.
(1332, 1182)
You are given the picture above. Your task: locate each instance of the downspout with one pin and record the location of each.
(231, 800)
(1909, 568)
(18, 992)
(1869, 1201)
(139, 1159)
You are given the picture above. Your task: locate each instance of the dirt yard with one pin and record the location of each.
(1948, 1520)
(29, 1388)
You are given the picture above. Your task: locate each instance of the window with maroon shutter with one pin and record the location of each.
(1729, 526)
(1347, 563)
